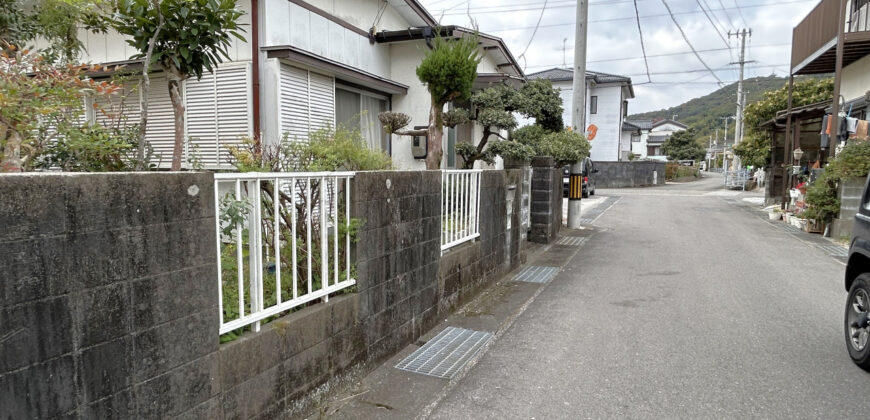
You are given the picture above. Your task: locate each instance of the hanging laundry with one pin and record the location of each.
(851, 124)
(828, 118)
(825, 129)
(862, 131)
(842, 127)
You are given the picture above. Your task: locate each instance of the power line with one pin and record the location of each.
(687, 41)
(709, 19)
(741, 13)
(536, 6)
(642, 47)
(724, 10)
(532, 38)
(692, 12)
(607, 60)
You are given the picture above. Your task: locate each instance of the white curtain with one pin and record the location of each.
(370, 126)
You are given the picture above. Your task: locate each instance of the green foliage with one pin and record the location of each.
(853, 161)
(511, 150)
(529, 134)
(42, 103)
(565, 146)
(496, 119)
(705, 114)
(469, 154)
(91, 148)
(326, 150)
(195, 37)
(675, 171)
(55, 21)
(683, 145)
(542, 102)
(232, 214)
(456, 116)
(823, 199)
(822, 196)
(755, 148)
(449, 69)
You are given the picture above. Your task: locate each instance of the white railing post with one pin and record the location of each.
(255, 247)
(258, 226)
(460, 206)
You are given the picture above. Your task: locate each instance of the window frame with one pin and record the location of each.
(593, 104)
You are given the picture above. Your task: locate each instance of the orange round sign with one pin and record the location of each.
(591, 132)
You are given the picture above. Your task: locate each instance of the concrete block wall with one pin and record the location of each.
(546, 211)
(110, 307)
(466, 269)
(107, 298)
(629, 174)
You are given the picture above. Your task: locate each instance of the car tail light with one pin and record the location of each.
(585, 179)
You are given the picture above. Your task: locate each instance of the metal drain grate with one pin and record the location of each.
(834, 250)
(571, 240)
(445, 354)
(789, 228)
(536, 274)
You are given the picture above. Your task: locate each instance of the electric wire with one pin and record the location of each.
(692, 12)
(532, 38)
(709, 19)
(607, 60)
(730, 21)
(739, 11)
(689, 43)
(642, 47)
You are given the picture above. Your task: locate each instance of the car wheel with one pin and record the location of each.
(584, 194)
(857, 324)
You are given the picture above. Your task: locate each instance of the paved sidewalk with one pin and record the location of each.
(391, 393)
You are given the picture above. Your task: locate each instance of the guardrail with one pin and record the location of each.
(280, 242)
(460, 206)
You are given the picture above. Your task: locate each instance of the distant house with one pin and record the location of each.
(636, 133)
(607, 98)
(658, 134)
(317, 64)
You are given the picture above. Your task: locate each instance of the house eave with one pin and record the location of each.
(342, 71)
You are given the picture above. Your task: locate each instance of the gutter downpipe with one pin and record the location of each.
(255, 70)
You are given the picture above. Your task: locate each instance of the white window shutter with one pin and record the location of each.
(201, 117)
(294, 102)
(161, 121)
(322, 102)
(233, 110)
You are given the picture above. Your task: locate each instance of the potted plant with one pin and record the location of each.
(774, 213)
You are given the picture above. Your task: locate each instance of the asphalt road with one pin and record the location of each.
(681, 306)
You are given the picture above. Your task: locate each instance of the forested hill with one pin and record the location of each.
(705, 114)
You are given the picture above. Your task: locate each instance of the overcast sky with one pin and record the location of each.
(613, 44)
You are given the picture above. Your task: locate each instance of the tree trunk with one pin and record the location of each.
(12, 153)
(436, 133)
(143, 93)
(175, 80)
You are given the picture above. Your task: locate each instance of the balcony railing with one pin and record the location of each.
(813, 48)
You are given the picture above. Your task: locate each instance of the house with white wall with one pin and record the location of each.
(607, 98)
(312, 64)
(637, 133)
(659, 133)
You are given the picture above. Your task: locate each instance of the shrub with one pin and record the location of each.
(566, 147)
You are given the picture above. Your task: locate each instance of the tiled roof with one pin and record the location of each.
(641, 124)
(667, 121)
(627, 126)
(558, 74)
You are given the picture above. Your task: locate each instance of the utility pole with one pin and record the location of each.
(741, 103)
(578, 111)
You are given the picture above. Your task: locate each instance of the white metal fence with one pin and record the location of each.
(460, 206)
(283, 240)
